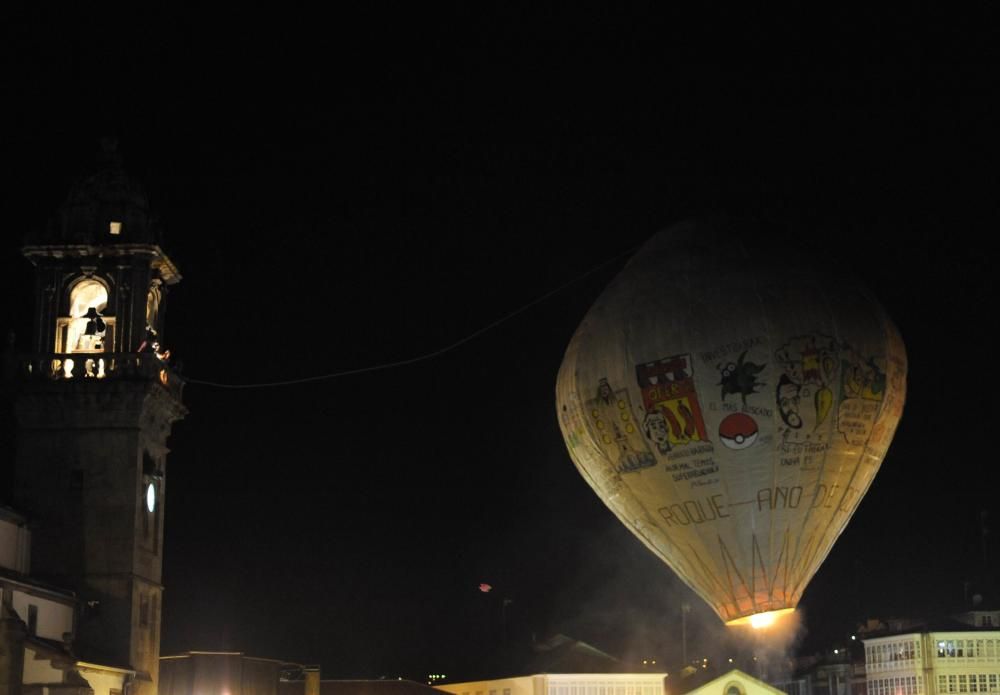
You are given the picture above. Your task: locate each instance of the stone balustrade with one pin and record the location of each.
(97, 366)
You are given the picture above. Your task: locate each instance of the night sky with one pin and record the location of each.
(368, 187)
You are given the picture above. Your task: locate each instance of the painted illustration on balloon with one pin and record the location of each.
(668, 389)
(605, 477)
(611, 414)
(738, 431)
(657, 430)
(740, 378)
(863, 383)
(804, 396)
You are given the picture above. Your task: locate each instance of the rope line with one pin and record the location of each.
(419, 358)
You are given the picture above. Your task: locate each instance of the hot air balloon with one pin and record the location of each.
(732, 407)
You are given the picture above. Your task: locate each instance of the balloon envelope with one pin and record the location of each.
(732, 409)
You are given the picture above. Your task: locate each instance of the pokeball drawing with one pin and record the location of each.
(738, 431)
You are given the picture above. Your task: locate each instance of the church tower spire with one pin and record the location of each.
(95, 403)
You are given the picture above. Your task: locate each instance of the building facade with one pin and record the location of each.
(934, 662)
(734, 682)
(564, 684)
(836, 671)
(231, 673)
(38, 627)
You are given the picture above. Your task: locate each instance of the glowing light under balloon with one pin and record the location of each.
(759, 621)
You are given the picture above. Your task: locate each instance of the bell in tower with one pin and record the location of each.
(95, 402)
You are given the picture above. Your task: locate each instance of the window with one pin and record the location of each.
(85, 329)
(963, 683)
(733, 688)
(952, 684)
(156, 616)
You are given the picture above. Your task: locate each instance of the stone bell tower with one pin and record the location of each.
(95, 402)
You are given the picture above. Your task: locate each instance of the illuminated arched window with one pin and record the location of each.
(86, 329)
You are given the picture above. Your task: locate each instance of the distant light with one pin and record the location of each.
(853, 637)
(644, 662)
(654, 662)
(836, 651)
(730, 659)
(485, 588)
(116, 228)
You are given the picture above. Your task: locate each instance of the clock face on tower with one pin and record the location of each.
(151, 497)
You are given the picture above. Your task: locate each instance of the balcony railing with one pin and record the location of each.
(96, 367)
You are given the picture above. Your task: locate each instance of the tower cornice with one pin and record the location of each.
(158, 258)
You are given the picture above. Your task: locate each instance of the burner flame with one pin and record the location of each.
(760, 621)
